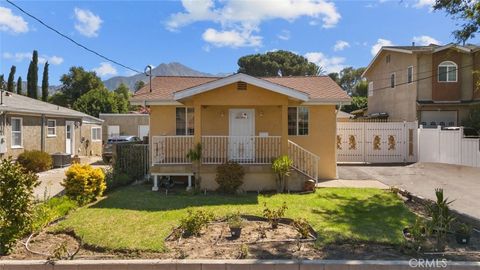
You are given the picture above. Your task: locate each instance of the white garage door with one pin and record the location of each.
(432, 119)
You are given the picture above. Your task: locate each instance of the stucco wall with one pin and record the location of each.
(447, 91)
(128, 123)
(31, 133)
(86, 146)
(269, 118)
(399, 102)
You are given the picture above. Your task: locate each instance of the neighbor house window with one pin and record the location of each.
(392, 80)
(370, 89)
(51, 128)
(447, 72)
(387, 59)
(17, 137)
(298, 121)
(410, 74)
(96, 134)
(184, 121)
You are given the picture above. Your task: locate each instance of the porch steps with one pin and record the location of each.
(304, 161)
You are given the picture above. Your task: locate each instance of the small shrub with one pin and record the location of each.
(274, 215)
(235, 221)
(441, 218)
(281, 166)
(243, 252)
(116, 178)
(35, 161)
(302, 227)
(194, 222)
(83, 183)
(46, 212)
(229, 177)
(16, 202)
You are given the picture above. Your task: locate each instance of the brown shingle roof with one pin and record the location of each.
(317, 87)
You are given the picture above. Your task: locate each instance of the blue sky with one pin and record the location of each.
(211, 35)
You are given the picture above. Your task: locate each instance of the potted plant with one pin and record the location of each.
(235, 223)
(463, 233)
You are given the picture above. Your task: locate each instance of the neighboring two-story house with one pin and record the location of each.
(436, 85)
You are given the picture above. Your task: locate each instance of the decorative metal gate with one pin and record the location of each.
(376, 142)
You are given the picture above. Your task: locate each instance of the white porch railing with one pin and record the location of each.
(304, 161)
(171, 149)
(242, 149)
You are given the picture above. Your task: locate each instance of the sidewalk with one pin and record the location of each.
(352, 184)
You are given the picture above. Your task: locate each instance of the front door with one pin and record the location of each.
(241, 144)
(69, 137)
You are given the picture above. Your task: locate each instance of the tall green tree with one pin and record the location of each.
(11, 79)
(122, 96)
(45, 82)
(76, 83)
(348, 78)
(19, 86)
(467, 14)
(357, 103)
(97, 101)
(139, 85)
(277, 63)
(32, 76)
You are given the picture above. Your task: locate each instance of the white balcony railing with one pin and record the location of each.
(242, 149)
(304, 161)
(171, 149)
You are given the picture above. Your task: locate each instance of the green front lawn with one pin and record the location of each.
(136, 218)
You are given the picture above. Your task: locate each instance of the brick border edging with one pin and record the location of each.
(222, 264)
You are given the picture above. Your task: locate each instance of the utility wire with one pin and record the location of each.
(72, 40)
(420, 79)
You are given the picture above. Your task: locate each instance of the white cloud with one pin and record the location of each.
(22, 56)
(424, 3)
(340, 45)
(105, 69)
(87, 23)
(329, 64)
(380, 43)
(231, 38)
(425, 40)
(12, 23)
(239, 16)
(284, 35)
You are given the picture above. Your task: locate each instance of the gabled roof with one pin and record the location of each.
(432, 48)
(24, 105)
(168, 89)
(240, 77)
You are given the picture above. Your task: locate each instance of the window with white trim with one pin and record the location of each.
(51, 128)
(447, 72)
(184, 119)
(410, 74)
(96, 134)
(370, 89)
(298, 121)
(17, 136)
(392, 80)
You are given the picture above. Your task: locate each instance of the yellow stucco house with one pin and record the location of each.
(246, 119)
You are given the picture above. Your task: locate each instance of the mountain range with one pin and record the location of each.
(164, 69)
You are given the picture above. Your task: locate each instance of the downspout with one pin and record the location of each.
(42, 133)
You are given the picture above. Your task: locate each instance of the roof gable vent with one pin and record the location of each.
(241, 86)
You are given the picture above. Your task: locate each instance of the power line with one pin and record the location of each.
(420, 79)
(72, 40)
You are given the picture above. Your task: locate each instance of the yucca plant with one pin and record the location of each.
(195, 156)
(441, 218)
(282, 166)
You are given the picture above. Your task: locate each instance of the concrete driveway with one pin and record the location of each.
(460, 183)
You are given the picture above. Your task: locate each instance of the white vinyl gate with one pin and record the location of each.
(377, 142)
(448, 146)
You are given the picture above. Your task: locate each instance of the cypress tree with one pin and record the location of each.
(32, 77)
(11, 79)
(19, 85)
(45, 82)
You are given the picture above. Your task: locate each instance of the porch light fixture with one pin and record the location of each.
(222, 114)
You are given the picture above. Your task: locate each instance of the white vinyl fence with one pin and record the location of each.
(447, 146)
(377, 142)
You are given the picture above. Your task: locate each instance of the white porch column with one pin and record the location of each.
(155, 183)
(189, 187)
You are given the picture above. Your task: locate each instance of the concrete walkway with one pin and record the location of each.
(50, 181)
(353, 184)
(460, 183)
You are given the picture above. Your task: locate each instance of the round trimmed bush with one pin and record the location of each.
(84, 183)
(229, 177)
(35, 161)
